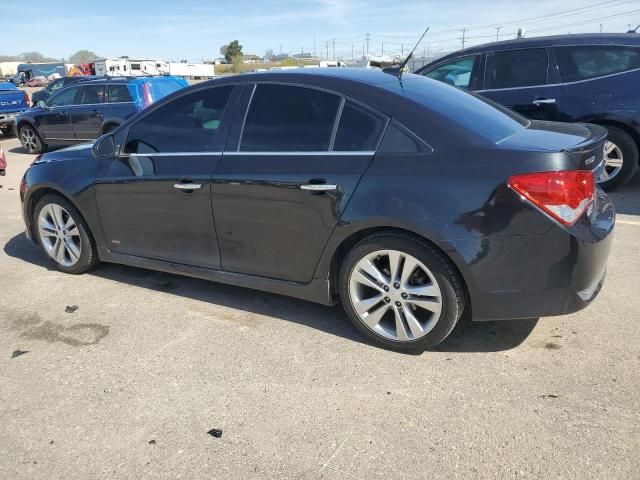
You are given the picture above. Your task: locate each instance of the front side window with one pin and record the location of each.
(592, 61)
(187, 124)
(289, 118)
(516, 68)
(455, 72)
(358, 130)
(93, 94)
(63, 98)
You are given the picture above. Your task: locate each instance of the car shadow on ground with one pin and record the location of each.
(466, 337)
(626, 199)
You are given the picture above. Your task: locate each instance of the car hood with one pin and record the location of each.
(76, 152)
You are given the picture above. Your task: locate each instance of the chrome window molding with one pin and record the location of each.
(173, 154)
(310, 153)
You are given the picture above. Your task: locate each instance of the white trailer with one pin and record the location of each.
(112, 68)
(192, 70)
(9, 68)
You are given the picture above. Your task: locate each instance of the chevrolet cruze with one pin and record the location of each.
(408, 200)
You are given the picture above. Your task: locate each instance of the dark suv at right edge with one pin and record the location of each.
(591, 78)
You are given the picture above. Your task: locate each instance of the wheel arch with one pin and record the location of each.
(612, 122)
(351, 240)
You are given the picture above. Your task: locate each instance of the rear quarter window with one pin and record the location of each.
(592, 61)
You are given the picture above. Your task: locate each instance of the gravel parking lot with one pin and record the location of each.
(129, 384)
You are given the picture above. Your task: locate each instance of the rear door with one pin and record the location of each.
(87, 115)
(524, 81)
(278, 194)
(54, 121)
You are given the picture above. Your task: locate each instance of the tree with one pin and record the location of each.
(33, 57)
(223, 49)
(83, 56)
(268, 55)
(233, 51)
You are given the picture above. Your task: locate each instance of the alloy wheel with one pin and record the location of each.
(395, 295)
(28, 139)
(613, 160)
(59, 234)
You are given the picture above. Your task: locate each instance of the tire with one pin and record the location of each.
(394, 330)
(622, 146)
(50, 208)
(31, 141)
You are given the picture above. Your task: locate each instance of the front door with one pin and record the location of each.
(278, 197)
(522, 80)
(155, 198)
(54, 121)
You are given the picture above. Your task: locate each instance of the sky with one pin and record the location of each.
(194, 30)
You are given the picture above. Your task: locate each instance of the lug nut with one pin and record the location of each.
(398, 304)
(404, 295)
(396, 285)
(387, 299)
(386, 289)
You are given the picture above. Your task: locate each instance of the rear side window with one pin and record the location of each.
(288, 118)
(119, 93)
(398, 139)
(592, 61)
(455, 72)
(359, 129)
(517, 68)
(186, 124)
(92, 94)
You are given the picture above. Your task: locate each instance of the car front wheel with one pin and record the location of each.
(620, 159)
(31, 141)
(400, 292)
(64, 235)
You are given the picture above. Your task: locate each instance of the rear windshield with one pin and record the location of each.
(478, 114)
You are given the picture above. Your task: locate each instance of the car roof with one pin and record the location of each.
(552, 40)
(371, 76)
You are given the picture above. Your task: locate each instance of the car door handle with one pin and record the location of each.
(188, 186)
(544, 101)
(319, 187)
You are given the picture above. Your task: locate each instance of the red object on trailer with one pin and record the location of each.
(3, 162)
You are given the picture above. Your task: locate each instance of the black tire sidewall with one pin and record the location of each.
(453, 297)
(88, 257)
(629, 151)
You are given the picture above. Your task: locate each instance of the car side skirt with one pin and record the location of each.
(316, 291)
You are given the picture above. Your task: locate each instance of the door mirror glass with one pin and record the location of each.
(104, 147)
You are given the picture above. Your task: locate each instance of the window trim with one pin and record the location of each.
(492, 53)
(343, 100)
(60, 92)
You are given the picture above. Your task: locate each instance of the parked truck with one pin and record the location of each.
(12, 102)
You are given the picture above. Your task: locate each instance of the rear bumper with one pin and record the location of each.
(558, 272)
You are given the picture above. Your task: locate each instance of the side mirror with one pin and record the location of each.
(42, 104)
(105, 146)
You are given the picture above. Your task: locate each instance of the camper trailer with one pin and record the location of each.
(192, 70)
(111, 68)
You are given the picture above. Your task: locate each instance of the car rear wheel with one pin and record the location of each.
(64, 235)
(620, 159)
(31, 141)
(400, 292)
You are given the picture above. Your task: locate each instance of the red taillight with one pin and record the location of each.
(565, 195)
(27, 101)
(147, 98)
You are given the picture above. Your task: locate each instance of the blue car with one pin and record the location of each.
(591, 78)
(84, 111)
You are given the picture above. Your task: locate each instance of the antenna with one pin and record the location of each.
(634, 30)
(406, 60)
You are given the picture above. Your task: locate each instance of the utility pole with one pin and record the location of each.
(383, 49)
(333, 41)
(368, 35)
(402, 50)
(352, 58)
(314, 44)
(327, 47)
(498, 34)
(464, 32)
